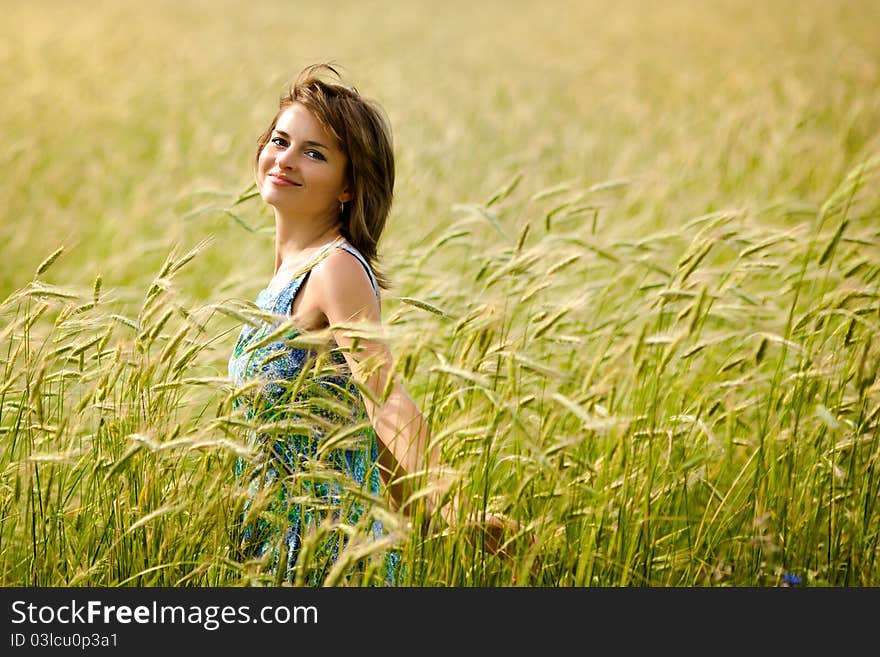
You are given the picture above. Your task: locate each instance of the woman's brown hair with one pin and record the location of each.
(363, 131)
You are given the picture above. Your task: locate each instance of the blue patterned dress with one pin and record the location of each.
(306, 397)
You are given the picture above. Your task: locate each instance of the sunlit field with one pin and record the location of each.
(635, 255)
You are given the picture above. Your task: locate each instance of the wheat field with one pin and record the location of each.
(635, 256)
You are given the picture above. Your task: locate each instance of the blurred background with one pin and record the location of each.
(129, 127)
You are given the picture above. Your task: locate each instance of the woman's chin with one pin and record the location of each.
(270, 196)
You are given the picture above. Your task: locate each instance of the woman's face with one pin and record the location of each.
(301, 170)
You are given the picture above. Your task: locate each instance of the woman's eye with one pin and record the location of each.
(278, 141)
(315, 155)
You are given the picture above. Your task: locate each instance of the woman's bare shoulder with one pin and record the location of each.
(344, 286)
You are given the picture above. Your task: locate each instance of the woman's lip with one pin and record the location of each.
(281, 180)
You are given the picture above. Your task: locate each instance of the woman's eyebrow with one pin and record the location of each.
(305, 143)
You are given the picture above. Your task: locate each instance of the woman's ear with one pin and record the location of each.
(345, 196)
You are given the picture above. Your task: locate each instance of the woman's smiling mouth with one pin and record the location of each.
(282, 181)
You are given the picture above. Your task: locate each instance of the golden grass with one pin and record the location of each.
(635, 256)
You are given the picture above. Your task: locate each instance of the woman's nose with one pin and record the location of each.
(285, 158)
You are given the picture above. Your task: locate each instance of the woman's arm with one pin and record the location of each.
(347, 300)
(407, 459)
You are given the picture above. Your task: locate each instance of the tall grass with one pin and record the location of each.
(704, 418)
(636, 297)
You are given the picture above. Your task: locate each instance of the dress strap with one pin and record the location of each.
(285, 297)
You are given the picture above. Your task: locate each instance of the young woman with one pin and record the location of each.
(325, 165)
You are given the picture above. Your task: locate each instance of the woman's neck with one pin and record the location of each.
(293, 242)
